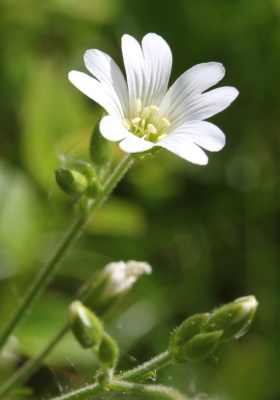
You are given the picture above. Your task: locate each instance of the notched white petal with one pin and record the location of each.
(204, 134)
(133, 144)
(180, 145)
(112, 129)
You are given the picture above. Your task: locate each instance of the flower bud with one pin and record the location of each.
(101, 152)
(199, 346)
(233, 318)
(72, 182)
(187, 330)
(112, 283)
(108, 352)
(85, 326)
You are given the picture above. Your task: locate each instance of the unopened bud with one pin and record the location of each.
(85, 325)
(233, 318)
(187, 330)
(72, 182)
(199, 346)
(108, 352)
(112, 283)
(101, 152)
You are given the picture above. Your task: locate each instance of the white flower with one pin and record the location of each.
(122, 275)
(143, 113)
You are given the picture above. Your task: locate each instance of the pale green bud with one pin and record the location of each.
(108, 352)
(101, 152)
(187, 330)
(72, 182)
(85, 325)
(199, 346)
(233, 318)
(112, 283)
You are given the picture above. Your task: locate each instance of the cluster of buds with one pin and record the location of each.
(198, 335)
(104, 292)
(85, 178)
(89, 332)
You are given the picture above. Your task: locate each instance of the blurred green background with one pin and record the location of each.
(211, 233)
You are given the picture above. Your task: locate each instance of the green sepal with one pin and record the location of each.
(85, 325)
(71, 182)
(188, 329)
(233, 318)
(94, 188)
(100, 153)
(108, 352)
(198, 347)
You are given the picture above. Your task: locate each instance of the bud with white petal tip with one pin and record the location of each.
(85, 325)
(233, 318)
(112, 283)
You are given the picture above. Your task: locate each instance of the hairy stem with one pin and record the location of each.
(49, 269)
(137, 374)
(152, 390)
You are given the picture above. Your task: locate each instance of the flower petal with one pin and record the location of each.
(182, 146)
(202, 106)
(147, 71)
(104, 68)
(96, 91)
(194, 81)
(112, 129)
(204, 134)
(158, 59)
(134, 144)
(211, 103)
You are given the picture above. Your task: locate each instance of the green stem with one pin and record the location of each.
(146, 370)
(153, 390)
(73, 233)
(42, 279)
(137, 374)
(27, 369)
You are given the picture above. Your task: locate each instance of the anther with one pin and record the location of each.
(136, 120)
(162, 137)
(153, 109)
(138, 105)
(126, 123)
(165, 122)
(145, 112)
(152, 128)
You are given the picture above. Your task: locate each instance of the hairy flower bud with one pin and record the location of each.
(101, 152)
(108, 352)
(233, 318)
(85, 326)
(186, 331)
(199, 346)
(112, 283)
(72, 182)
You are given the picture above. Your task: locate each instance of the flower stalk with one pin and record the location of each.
(70, 237)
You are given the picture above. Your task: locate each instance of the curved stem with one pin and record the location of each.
(73, 233)
(137, 374)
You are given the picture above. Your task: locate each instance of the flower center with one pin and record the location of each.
(148, 124)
